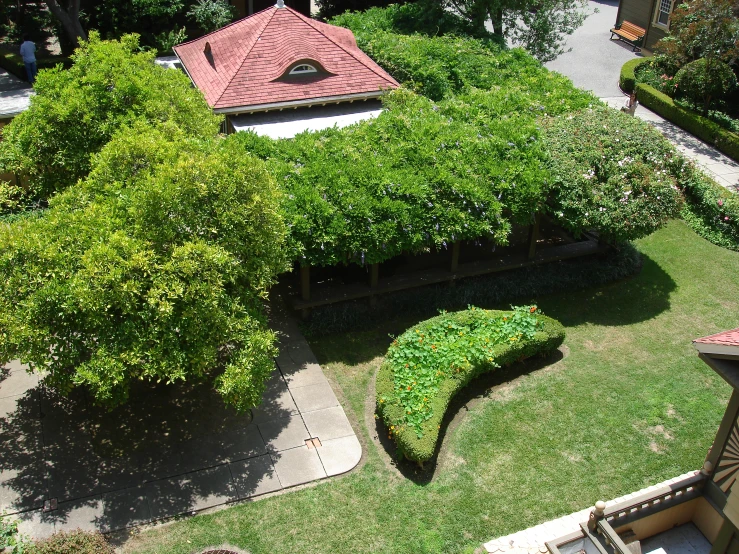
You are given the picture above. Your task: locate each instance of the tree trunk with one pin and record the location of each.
(69, 18)
(496, 17)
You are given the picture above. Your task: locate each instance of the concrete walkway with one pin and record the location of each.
(533, 540)
(722, 168)
(15, 95)
(63, 466)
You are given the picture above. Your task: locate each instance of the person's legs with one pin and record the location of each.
(31, 71)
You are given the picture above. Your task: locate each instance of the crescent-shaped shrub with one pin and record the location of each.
(432, 361)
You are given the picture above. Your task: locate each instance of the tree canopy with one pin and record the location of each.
(154, 268)
(76, 111)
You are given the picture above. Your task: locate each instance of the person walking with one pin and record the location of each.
(28, 52)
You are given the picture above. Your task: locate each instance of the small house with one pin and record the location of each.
(279, 73)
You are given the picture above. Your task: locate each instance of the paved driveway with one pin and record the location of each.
(595, 61)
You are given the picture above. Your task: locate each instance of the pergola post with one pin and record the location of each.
(374, 277)
(534, 235)
(455, 255)
(305, 288)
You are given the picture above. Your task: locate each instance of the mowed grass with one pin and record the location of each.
(629, 405)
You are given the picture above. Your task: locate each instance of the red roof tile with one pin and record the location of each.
(725, 338)
(249, 57)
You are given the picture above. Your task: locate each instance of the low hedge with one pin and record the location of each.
(710, 209)
(417, 380)
(13, 63)
(703, 128)
(627, 79)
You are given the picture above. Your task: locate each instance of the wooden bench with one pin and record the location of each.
(628, 32)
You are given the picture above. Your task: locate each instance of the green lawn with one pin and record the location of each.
(629, 405)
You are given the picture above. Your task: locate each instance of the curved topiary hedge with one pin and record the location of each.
(627, 79)
(432, 361)
(703, 128)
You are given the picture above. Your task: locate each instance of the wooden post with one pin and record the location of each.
(534, 235)
(374, 277)
(455, 255)
(305, 288)
(305, 282)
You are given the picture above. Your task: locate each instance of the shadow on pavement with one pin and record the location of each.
(171, 450)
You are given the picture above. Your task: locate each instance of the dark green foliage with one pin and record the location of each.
(610, 172)
(153, 20)
(627, 79)
(75, 112)
(331, 8)
(432, 361)
(703, 128)
(73, 542)
(705, 81)
(153, 268)
(211, 14)
(425, 17)
(441, 66)
(489, 291)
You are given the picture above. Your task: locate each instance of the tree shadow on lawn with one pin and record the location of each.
(477, 391)
(624, 302)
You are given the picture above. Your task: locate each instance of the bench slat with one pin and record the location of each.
(630, 33)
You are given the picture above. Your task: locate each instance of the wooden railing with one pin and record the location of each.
(601, 525)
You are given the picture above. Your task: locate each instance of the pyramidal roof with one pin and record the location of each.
(247, 63)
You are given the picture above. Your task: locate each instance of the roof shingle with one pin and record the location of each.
(248, 59)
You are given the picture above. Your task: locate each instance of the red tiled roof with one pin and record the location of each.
(725, 338)
(248, 57)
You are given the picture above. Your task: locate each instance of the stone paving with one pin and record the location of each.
(722, 168)
(534, 539)
(66, 464)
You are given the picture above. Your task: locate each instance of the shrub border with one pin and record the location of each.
(550, 336)
(627, 79)
(703, 128)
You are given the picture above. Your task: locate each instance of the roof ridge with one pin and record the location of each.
(221, 28)
(310, 22)
(258, 34)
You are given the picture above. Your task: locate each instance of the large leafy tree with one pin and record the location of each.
(540, 26)
(702, 29)
(154, 268)
(75, 112)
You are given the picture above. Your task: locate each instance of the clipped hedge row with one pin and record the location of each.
(627, 79)
(705, 129)
(498, 338)
(13, 63)
(710, 209)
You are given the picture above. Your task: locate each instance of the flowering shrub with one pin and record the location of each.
(429, 363)
(610, 172)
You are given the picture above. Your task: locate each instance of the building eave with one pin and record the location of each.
(306, 102)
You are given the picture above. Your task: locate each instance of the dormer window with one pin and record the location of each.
(303, 69)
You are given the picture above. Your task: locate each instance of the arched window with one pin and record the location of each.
(303, 69)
